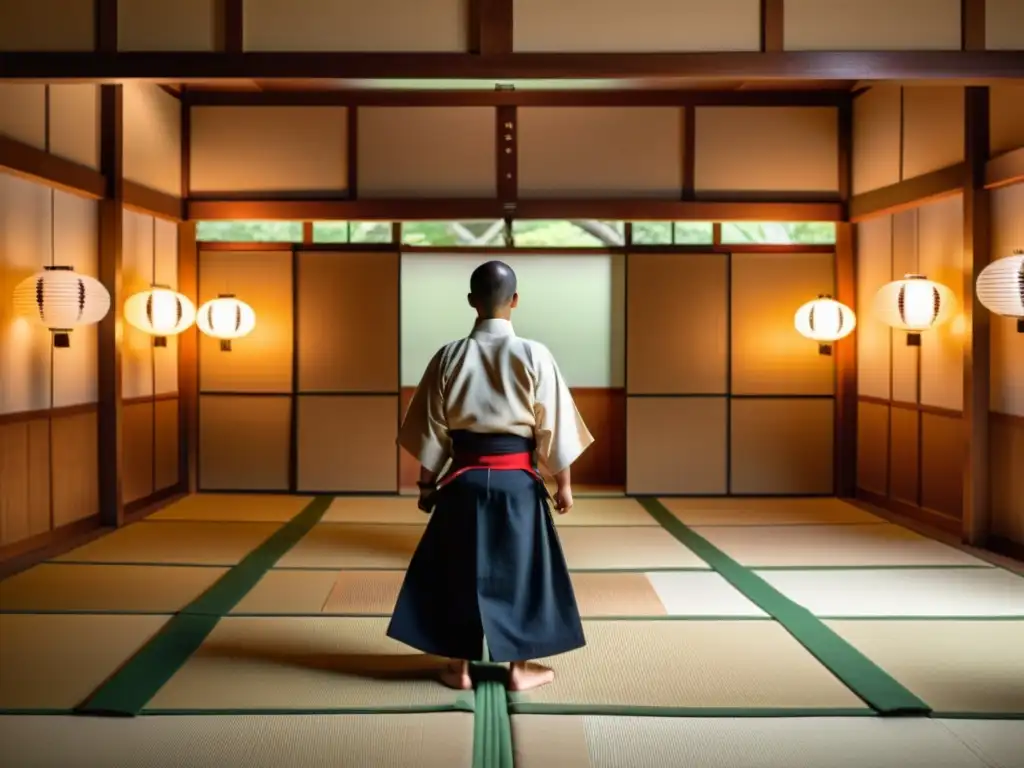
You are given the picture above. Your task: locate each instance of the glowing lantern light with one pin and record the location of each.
(915, 304)
(160, 312)
(226, 318)
(825, 321)
(60, 299)
(1000, 288)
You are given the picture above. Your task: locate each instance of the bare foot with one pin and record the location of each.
(456, 675)
(524, 676)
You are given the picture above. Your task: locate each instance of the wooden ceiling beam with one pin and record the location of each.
(777, 65)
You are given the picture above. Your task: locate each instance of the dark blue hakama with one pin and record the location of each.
(489, 564)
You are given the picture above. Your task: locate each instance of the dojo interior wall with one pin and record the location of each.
(48, 397)
(540, 26)
(911, 436)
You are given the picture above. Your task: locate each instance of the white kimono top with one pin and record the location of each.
(494, 382)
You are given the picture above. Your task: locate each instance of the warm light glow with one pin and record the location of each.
(226, 318)
(60, 299)
(915, 304)
(1000, 287)
(160, 311)
(825, 321)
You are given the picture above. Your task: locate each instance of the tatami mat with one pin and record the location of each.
(140, 588)
(954, 666)
(616, 594)
(235, 508)
(334, 545)
(283, 592)
(641, 548)
(436, 740)
(832, 545)
(602, 511)
(685, 665)
(657, 742)
(288, 664)
(57, 661)
(744, 511)
(903, 592)
(690, 593)
(175, 542)
(375, 509)
(999, 742)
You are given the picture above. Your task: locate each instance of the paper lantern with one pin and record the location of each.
(226, 318)
(825, 321)
(1000, 288)
(160, 312)
(914, 304)
(60, 299)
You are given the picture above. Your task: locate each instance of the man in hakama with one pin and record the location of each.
(491, 409)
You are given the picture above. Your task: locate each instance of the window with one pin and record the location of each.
(453, 233)
(694, 233)
(583, 233)
(352, 232)
(673, 233)
(779, 233)
(249, 231)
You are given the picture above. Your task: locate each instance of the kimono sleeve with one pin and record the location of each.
(424, 431)
(560, 432)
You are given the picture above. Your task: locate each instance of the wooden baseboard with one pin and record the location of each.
(27, 552)
(1007, 548)
(140, 508)
(923, 515)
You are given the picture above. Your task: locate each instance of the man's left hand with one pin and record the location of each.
(426, 500)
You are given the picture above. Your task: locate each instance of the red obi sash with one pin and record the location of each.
(500, 462)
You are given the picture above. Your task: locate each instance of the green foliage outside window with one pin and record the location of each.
(529, 233)
(354, 232)
(779, 233)
(249, 231)
(453, 233)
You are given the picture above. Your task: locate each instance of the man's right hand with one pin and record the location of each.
(563, 499)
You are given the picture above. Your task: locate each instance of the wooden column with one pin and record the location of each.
(772, 23)
(111, 211)
(491, 26)
(846, 292)
(976, 254)
(188, 342)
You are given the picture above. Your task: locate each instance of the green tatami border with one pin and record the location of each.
(871, 683)
(130, 688)
(492, 726)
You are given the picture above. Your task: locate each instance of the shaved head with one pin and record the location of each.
(492, 287)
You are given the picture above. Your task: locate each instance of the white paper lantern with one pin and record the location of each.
(825, 321)
(1000, 288)
(160, 312)
(226, 318)
(60, 299)
(914, 304)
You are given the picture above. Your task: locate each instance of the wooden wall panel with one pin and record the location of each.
(152, 138)
(877, 143)
(165, 272)
(904, 450)
(873, 447)
(677, 324)
(24, 250)
(574, 304)
(427, 152)
(24, 480)
(347, 315)
(676, 446)
(137, 433)
(782, 446)
(579, 152)
(356, 25)
(905, 259)
(942, 349)
(244, 443)
(590, 26)
(933, 128)
(769, 357)
(166, 25)
(347, 444)
(166, 458)
(137, 352)
(866, 25)
(76, 237)
(874, 338)
(75, 471)
(47, 25)
(1006, 117)
(1007, 382)
(777, 149)
(269, 149)
(942, 461)
(1004, 25)
(75, 123)
(604, 413)
(1006, 449)
(262, 361)
(23, 113)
